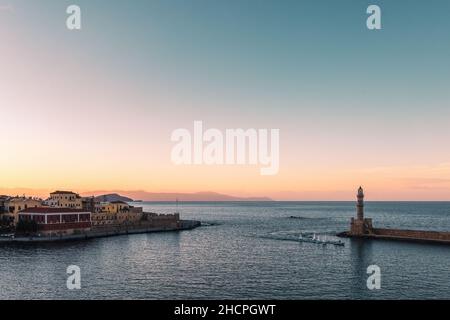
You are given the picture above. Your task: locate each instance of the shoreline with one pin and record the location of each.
(106, 233)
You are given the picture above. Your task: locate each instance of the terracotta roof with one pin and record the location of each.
(63, 192)
(51, 210)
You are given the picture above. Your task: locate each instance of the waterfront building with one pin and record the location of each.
(105, 215)
(4, 220)
(65, 199)
(13, 205)
(103, 220)
(57, 221)
(106, 207)
(115, 213)
(3, 199)
(112, 207)
(120, 206)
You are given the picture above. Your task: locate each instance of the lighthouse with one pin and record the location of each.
(360, 204)
(360, 226)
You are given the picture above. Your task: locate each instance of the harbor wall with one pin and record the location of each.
(413, 234)
(436, 237)
(105, 232)
(362, 227)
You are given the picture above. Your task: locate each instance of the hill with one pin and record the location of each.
(113, 197)
(153, 196)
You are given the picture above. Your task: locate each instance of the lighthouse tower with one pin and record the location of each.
(360, 204)
(360, 225)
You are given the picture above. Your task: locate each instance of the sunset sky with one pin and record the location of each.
(94, 109)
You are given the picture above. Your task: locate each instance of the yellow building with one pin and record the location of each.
(14, 205)
(106, 207)
(103, 219)
(65, 199)
(120, 206)
(112, 207)
(105, 214)
(115, 213)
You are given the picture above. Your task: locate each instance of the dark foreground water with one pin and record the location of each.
(245, 253)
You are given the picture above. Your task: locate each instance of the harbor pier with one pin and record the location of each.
(361, 227)
(101, 233)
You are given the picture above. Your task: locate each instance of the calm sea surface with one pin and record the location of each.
(247, 251)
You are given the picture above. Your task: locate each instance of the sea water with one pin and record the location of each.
(246, 250)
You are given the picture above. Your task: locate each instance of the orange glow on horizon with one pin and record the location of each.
(382, 183)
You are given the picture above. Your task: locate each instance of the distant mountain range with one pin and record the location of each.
(113, 197)
(128, 196)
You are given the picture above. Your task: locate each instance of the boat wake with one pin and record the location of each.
(307, 237)
(306, 218)
(209, 224)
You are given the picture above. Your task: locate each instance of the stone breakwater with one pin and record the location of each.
(104, 232)
(361, 227)
(403, 235)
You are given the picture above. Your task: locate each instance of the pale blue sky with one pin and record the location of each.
(342, 95)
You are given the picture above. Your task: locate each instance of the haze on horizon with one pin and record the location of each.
(94, 109)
